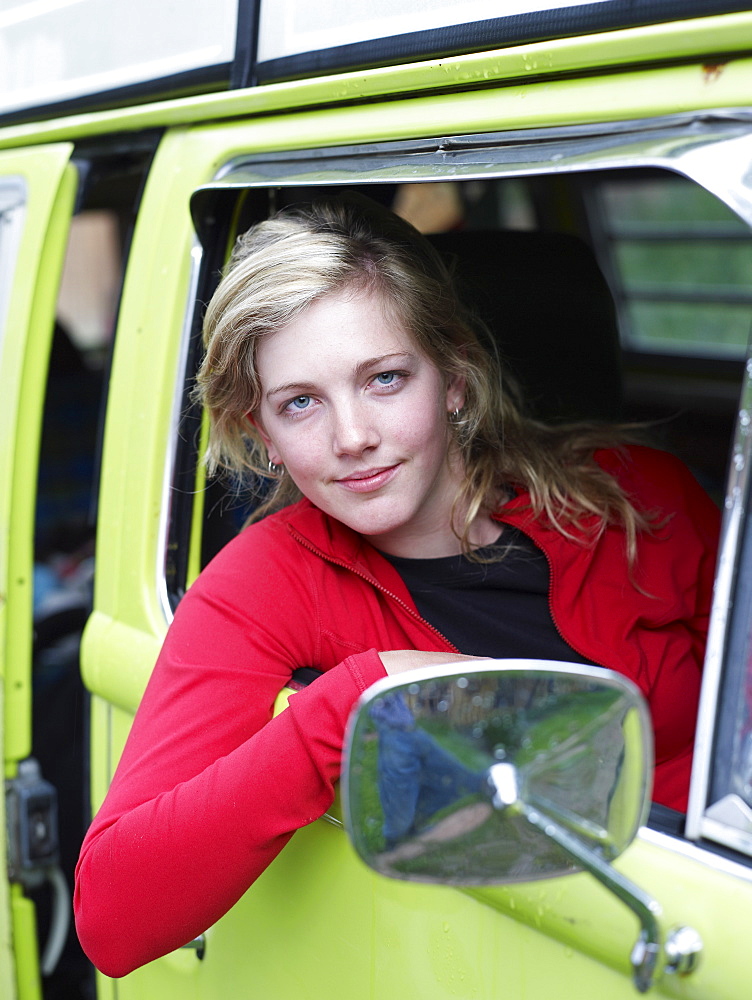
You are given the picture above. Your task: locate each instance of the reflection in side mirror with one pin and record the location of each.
(509, 771)
(441, 768)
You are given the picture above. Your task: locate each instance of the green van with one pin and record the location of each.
(546, 145)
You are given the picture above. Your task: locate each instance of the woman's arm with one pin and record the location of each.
(166, 858)
(210, 787)
(396, 661)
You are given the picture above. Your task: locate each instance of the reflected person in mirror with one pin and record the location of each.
(417, 777)
(417, 516)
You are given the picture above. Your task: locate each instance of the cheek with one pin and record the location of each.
(426, 425)
(296, 454)
(301, 450)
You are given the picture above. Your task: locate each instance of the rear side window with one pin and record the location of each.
(679, 263)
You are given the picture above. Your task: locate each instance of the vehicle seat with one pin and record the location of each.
(547, 304)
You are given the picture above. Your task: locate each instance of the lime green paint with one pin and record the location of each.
(117, 659)
(50, 186)
(142, 389)
(581, 915)
(100, 740)
(23, 369)
(588, 100)
(28, 984)
(390, 940)
(720, 35)
(566, 938)
(7, 961)
(107, 988)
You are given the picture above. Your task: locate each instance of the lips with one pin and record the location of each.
(369, 479)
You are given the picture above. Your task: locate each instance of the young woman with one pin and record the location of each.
(417, 517)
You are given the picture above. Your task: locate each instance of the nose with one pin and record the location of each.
(354, 429)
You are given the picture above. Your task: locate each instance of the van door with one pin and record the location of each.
(315, 917)
(316, 921)
(37, 188)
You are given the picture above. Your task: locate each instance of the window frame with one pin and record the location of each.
(700, 820)
(713, 150)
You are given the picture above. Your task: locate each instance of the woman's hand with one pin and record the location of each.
(396, 661)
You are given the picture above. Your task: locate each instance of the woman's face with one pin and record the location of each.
(359, 418)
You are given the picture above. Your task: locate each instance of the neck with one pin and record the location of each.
(440, 542)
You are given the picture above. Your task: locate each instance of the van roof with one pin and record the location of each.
(62, 57)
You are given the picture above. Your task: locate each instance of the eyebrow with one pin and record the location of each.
(304, 388)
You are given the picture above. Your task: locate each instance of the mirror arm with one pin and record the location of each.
(504, 783)
(647, 948)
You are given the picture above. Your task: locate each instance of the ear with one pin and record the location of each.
(455, 393)
(274, 456)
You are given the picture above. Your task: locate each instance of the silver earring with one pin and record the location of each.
(454, 416)
(277, 471)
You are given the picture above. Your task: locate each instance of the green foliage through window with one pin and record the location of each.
(681, 264)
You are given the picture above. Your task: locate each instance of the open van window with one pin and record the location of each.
(689, 396)
(689, 402)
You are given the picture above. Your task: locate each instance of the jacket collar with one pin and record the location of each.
(333, 540)
(324, 534)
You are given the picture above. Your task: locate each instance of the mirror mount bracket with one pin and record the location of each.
(647, 949)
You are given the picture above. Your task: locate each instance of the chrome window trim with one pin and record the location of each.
(685, 144)
(13, 198)
(731, 536)
(165, 507)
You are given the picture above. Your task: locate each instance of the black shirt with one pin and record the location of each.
(498, 609)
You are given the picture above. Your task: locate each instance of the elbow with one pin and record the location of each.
(106, 951)
(107, 957)
(107, 941)
(120, 923)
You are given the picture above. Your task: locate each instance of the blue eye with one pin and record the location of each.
(386, 378)
(300, 402)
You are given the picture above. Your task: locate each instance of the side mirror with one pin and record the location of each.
(508, 771)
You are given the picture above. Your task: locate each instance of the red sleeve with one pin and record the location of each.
(210, 788)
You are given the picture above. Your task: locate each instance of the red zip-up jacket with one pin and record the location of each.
(210, 787)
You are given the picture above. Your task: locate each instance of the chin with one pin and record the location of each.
(370, 528)
(369, 524)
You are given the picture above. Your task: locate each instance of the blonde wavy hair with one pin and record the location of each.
(284, 264)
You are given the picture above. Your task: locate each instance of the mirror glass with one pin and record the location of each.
(426, 798)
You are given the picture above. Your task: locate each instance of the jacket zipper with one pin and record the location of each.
(372, 581)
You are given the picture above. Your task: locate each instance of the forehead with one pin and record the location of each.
(336, 331)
